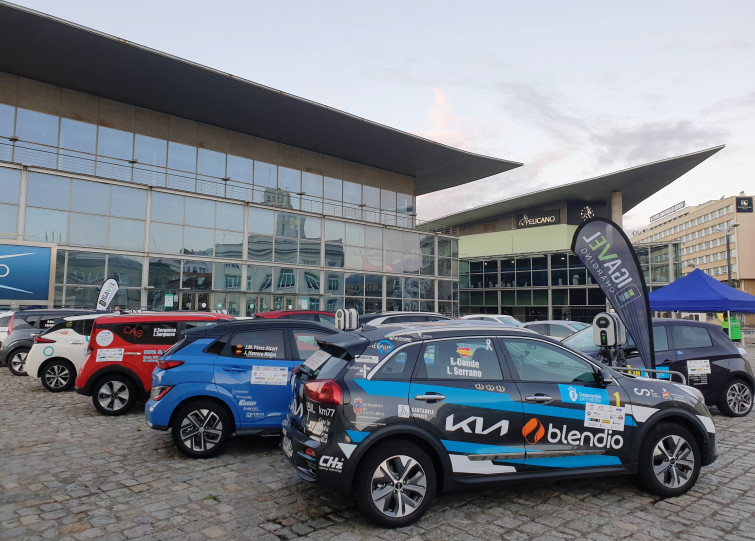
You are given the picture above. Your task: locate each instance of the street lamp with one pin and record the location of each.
(728, 249)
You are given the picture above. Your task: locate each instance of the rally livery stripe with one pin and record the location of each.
(462, 464)
(584, 461)
(478, 448)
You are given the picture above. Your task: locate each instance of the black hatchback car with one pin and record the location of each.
(395, 414)
(700, 351)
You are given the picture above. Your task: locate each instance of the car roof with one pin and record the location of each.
(375, 315)
(225, 327)
(88, 316)
(279, 313)
(164, 316)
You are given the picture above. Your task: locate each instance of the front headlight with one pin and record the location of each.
(694, 393)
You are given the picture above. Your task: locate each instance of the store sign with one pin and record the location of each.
(25, 272)
(666, 212)
(534, 219)
(744, 204)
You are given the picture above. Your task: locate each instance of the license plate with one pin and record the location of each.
(287, 447)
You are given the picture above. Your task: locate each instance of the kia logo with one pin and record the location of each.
(533, 431)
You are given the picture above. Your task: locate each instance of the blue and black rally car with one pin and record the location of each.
(395, 414)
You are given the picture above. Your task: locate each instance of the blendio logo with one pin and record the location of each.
(574, 437)
(478, 426)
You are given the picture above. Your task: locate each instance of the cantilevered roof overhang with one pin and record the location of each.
(636, 184)
(40, 47)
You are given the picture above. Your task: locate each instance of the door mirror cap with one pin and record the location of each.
(605, 377)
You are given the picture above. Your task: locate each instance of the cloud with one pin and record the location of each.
(738, 104)
(635, 145)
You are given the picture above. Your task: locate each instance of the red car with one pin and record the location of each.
(122, 352)
(307, 315)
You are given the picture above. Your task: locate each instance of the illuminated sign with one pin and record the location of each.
(744, 204)
(26, 272)
(670, 210)
(534, 219)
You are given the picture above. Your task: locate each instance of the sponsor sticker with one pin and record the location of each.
(403, 411)
(104, 338)
(269, 375)
(698, 367)
(582, 395)
(109, 355)
(605, 416)
(367, 359)
(288, 449)
(316, 360)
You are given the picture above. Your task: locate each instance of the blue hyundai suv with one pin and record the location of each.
(393, 414)
(231, 377)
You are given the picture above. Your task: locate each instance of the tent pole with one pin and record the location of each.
(728, 318)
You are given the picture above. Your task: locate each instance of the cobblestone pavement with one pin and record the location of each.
(67, 472)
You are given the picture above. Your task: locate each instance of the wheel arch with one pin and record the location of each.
(682, 418)
(46, 362)
(106, 371)
(431, 445)
(212, 398)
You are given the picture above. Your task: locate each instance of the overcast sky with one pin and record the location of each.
(572, 89)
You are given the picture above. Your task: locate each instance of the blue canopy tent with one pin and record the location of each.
(698, 292)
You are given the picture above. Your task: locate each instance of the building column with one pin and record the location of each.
(617, 208)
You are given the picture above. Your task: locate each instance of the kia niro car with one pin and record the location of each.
(229, 378)
(395, 414)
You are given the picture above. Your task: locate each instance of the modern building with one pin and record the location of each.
(199, 190)
(515, 255)
(715, 236)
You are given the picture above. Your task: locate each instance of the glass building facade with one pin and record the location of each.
(181, 226)
(554, 285)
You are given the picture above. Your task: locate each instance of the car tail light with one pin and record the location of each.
(10, 323)
(92, 334)
(40, 340)
(167, 365)
(158, 392)
(325, 391)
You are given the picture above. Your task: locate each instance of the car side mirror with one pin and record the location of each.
(605, 377)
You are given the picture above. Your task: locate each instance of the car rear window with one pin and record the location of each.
(689, 337)
(148, 332)
(4, 320)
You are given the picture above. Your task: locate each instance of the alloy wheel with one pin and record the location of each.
(113, 395)
(201, 430)
(399, 485)
(739, 398)
(57, 376)
(673, 461)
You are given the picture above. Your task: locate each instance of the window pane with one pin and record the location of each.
(405, 203)
(127, 271)
(334, 231)
(165, 238)
(333, 189)
(93, 197)
(240, 169)
(312, 184)
(8, 220)
(463, 359)
(199, 241)
(229, 216)
(229, 244)
(150, 150)
(7, 116)
(37, 127)
(260, 248)
(126, 234)
(85, 268)
(267, 344)
(352, 193)
(374, 237)
(48, 191)
(211, 163)
(182, 157)
(373, 260)
(164, 273)
(128, 202)
(259, 279)
(688, 337)
(539, 361)
(309, 252)
(354, 234)
(115, 143)
(354, 284)
(265, 175)
(200, 212)
(285, 250)
(306, 343)
(333, 254)
(227, 276)
(77, 135)
(310, 227)
(261, 221)
(287, 225)
(289, 180)
(387, 200)
(197, 275)
(167, 208)
(9, 182)
(88, 230)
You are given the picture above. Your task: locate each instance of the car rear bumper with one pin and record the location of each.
(295, 445)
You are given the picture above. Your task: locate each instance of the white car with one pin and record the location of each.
(4, 320)
(58, 352)
(509, 321)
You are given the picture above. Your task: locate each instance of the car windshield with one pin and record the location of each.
(579, 325)
(583, 341)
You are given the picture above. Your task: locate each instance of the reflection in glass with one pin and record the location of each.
(44, 225)
(37, 127)
(289, 180)
(200, 212)
(411, 263)
(229, 244)
(309, 282)
(128, 202)
(85, 268)
(261, 221)
(88, 230)
(310, 227)
(334, 283)
(93, 197)
(210, 163)
(168, 208)
(354, 234)
(48, 191)
(353, 257)
(373, 260)
(126, 270)
(334, 255)
(81, 297)
(333, 189)
(76, 135)
(285, 250)
(76, 162)
(240, 169)
(404, 203)
(33, 154)
(165, 238)
(150, 150)
(287, 225)
(387, 200)
(260, 248)
(151, 175)
(7, 116)
(311, 184)
(373, 285)
(229, 216)
(182, 157)
(198, 241)
(334, 231)
(9, 182)
(8, 221)
(352, 193)
(394, 240)
(265, 175)
(394, 261)
(126, 234)
(309, 252)
(197, 275)
(227, 276)
(115, 143)
(373, 237)
(259, 279)
(164, 273)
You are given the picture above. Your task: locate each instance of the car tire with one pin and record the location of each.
(17, 361)
(669, 461)
(201, 428)
(114, 394)
(58, 375)
(736, 398)
(395, 484)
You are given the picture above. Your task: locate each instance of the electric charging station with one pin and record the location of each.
(347, 320)
(609, 332)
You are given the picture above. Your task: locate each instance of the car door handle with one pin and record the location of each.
(234, 369)
(77, 343)
(132, 353)
(539, 398)
(430, 397)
